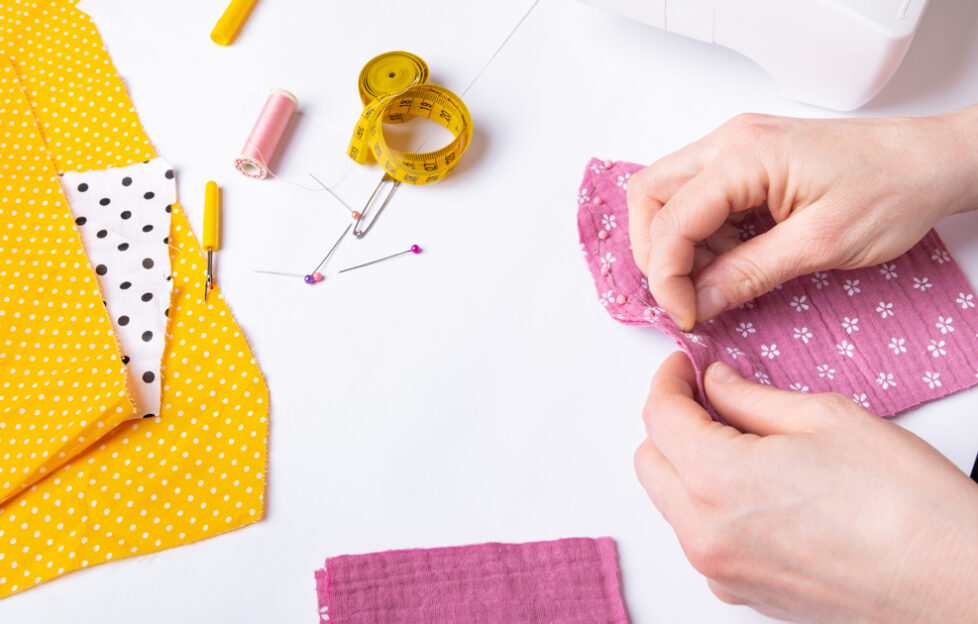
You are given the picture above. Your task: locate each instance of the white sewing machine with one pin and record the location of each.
(833, 53)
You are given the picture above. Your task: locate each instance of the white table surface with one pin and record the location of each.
(463, 395)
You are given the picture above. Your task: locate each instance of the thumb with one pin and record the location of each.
(755, 408)
(756, 266)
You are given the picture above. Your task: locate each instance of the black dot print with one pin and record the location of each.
(117, 224)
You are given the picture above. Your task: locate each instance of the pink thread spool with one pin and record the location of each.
(260, 146)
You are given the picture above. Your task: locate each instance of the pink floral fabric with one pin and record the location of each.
(890, 337)
(570, 581)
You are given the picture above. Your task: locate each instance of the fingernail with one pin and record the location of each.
(709, 302)
(723, 373)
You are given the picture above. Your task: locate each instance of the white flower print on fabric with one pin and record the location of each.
(944, 324)
(898, 345)
(889, 271)
(851, 287)
(885, 309)
(747, 305)
(764, 378)
(583, 250)
(936, 348)
(607, 259)
(746, 329)
(695, 338)
(921, 283)
(825, 371)
(607, 298)
(965, 301)
(645, 283)
(798, 303)
(770, 352)
(798, 387)
(845, 348)
(746, 230)
(940, 256)
(584, 196)
(850, 325)
(886, 381)
(608, 222)
(803, 334)
(861, 399)
(623, 181)
(932, 380)
(734, 352)
(820, 280)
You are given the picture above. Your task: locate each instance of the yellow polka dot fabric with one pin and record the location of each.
(83, 487)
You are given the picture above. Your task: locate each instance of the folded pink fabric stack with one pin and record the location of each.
(567, 581)
(890, 337)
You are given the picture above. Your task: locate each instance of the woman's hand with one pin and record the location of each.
(845, 193)
(808, 507)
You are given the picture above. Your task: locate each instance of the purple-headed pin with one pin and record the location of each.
(413, 250)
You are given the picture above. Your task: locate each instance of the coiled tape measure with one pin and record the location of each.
(394, 88)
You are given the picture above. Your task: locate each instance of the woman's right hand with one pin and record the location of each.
(845, 193)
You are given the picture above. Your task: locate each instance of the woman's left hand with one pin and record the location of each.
(808, 507)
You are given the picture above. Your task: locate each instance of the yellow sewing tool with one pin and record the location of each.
(234, 17)
(396, 83)
(211, 240)
(394, 88)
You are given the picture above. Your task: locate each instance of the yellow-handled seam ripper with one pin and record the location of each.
(211, 241)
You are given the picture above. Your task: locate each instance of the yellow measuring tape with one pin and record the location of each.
(394, 89)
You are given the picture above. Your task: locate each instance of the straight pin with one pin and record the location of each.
(354, 213)
(413, 250)
(315, 275)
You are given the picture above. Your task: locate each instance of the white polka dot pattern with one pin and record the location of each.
(61, 381)
(198, 468)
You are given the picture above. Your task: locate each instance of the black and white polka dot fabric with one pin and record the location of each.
(124, 219)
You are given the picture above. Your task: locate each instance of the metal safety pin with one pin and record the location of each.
(357, 231)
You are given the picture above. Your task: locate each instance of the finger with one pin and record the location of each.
(756, 408)
(702, 258)
(661, 482)
(724, 593)
(650, 188)
(694, 213)
(725, 238)
(754, 267)
(678, 426)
